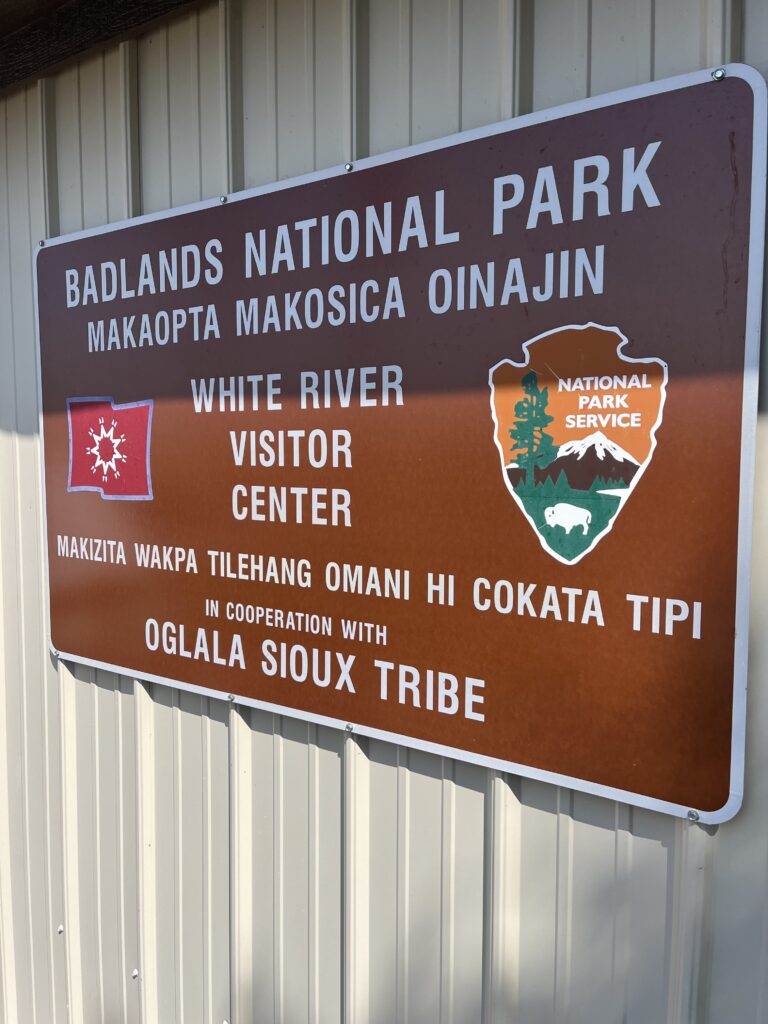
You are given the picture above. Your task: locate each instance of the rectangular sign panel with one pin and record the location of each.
(454, 446)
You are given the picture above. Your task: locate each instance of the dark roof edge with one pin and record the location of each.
(52, 37)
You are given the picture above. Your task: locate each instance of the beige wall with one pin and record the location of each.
(253, 868)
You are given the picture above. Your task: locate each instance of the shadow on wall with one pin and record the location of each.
(435, 914)
(581, 922)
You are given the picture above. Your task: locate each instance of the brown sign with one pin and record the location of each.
(454, 445)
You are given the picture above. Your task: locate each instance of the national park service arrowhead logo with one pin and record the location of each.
(575, 426)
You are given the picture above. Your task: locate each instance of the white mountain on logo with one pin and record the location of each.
(597, 444)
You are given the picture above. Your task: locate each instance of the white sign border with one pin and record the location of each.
(749, 419)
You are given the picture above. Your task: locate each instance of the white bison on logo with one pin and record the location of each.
(568, 516)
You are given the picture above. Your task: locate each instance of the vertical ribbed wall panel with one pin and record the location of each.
(184, 829)
(97, 727)
(17, 985)
(183, 791)
(287, 869)
(296, 104)
(738, 925)
(31, 883)
(287, 776)
(419, 933)
(210, 863)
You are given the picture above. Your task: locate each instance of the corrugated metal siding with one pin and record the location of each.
(251, 868)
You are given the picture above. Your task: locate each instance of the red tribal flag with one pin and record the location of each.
(109, 448)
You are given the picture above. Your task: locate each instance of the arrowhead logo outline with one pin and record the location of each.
(565, 491)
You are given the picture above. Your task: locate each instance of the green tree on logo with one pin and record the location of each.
(532, 446)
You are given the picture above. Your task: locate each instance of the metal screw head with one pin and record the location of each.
(230, 696)
(135, 973)
(60, 930)
(348, 727)
(693, 815)
(348, 167)
(222, 199)
(42, 242)
(719, 74)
